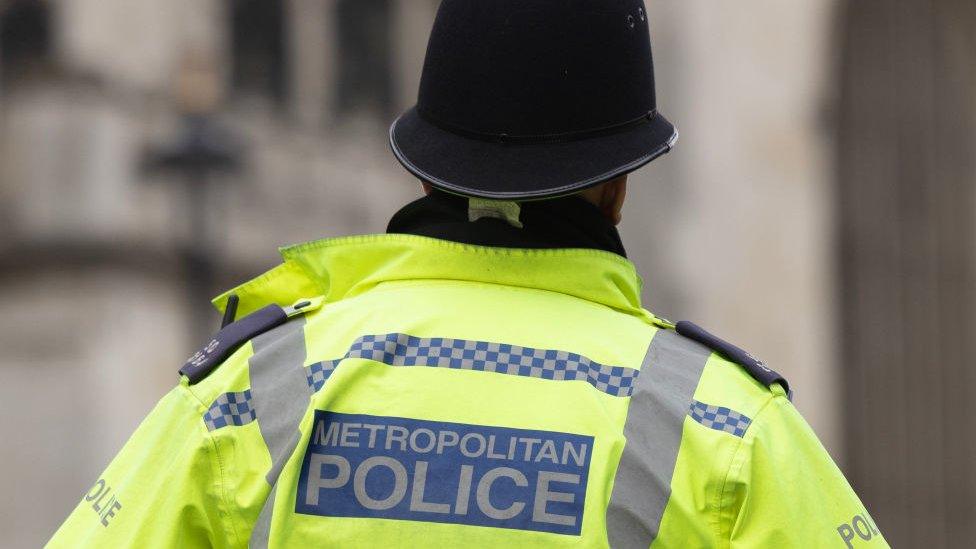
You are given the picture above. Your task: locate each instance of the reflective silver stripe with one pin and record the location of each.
(280, 393)
(642, 485)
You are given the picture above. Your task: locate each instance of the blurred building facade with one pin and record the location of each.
(93, 260)
(734, 229)
(907, 208)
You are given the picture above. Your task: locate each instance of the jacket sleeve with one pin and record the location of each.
(164, 489)
(789, 493)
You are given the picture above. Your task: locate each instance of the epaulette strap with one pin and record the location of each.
(753, 365)
(233, 335)
(229, 339)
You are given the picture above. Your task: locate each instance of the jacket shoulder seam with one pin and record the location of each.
(724, 496)
(214, 448)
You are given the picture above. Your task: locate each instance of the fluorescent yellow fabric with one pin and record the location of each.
(181, 485)
(774, 487)
(165, 489)
(819, 508)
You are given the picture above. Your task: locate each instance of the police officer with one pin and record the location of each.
(484, 375)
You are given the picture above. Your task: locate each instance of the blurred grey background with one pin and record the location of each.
(818, 211)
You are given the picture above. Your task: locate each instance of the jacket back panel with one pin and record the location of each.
(435, 417)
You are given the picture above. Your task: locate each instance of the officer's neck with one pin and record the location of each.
(569, 222)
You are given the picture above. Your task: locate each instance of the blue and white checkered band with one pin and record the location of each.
(320, 372)
(720, 418)
(482, 356)
(229, 409)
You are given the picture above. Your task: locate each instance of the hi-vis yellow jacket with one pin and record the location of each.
(410, 392)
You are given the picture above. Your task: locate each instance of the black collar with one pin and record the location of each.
(569, 222)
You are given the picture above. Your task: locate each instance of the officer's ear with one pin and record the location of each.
(428, 188)
(609, 198)
(616, 195)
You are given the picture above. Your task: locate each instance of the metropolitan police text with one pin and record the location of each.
(464, 473)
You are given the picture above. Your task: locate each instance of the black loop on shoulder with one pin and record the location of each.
(756, 368)
(230, 311)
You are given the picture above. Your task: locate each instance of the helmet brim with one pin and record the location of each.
(524, 171)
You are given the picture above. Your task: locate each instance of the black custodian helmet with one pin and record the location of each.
(535, 99)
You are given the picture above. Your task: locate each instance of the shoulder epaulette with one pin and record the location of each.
(235, 334)
(756, 368)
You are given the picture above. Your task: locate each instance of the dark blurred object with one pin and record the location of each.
(365, 71)
(907, 193)
(258, 42)
(202, 149)
(25, 41)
